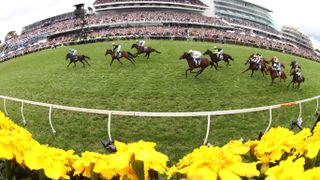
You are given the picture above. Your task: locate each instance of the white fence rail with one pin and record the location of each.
(208, 114)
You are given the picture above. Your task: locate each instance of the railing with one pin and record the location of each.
(208, 114)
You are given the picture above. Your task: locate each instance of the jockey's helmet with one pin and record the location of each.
(215, 47)
(113, 43)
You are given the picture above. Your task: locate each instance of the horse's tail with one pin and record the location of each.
(157, 51)
(230, 57)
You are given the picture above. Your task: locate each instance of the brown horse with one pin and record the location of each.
(273, 74)
(123, 54)
(215, 59)
(141, 50)
(75, 58)
(297, 77)
(253, 66)
(204, 63)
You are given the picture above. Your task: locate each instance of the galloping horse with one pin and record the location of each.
(141, 50)
(253, 66)
(296, 78)
(273, 74)
(204, 63)
(75, 58)
(215, 60)
(125, 54)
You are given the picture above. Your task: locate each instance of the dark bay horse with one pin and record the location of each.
(75, 58)
(253, 66)
(215, 59)
(204, 63)
(141, 50)
(273, 74)
(297, 78)
(124, 54)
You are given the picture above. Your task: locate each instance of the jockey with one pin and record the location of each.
(141, 43)
(276, 66)
(73, 53)
(258, 60)
(116, 48)
(196, 55)
(218, 51)
(296, 67)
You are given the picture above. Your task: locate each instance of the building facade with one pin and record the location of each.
(293, 35)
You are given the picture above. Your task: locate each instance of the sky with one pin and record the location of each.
(15, 14)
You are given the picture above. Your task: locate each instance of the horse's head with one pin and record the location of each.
(208, 52)
(68, 56)
(134, 45)
(185, 55)
(108, 51)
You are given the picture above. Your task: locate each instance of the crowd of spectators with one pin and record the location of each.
(204, 32)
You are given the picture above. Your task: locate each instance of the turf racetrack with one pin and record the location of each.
(155, 85)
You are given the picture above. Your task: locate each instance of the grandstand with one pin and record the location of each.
(194, 6)
(293, 35)
(231, 22)
(245, 15)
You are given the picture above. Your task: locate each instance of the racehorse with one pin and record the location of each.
(215, 59)
(141, 50)
(253, 66)
(204, 63)
(273, 74)
(75, 58)
(296, 78)
(123, 54)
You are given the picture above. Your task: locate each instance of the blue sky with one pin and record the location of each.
(14, 14)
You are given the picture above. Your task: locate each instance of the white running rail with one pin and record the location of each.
(208, 114)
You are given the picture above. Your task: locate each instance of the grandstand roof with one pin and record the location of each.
(194, 2)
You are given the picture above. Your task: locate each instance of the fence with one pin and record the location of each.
(207, 114)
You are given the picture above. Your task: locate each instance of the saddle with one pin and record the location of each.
(119, 54)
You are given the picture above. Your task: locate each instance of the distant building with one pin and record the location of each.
(293, 35)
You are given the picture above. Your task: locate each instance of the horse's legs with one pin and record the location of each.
(148, 55)
(74, 64)
(83, 63)
(262, 72)
(228, 64)
(212, 64)
(199, 72)
(252, 71)
(119, 61)
(111, 61)
(189, 69)
(129, 60)
(86, 62)
(272, 79)
(246, 70)
(289, 84)
(69, 63)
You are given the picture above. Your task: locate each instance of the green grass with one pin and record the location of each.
(156, 85)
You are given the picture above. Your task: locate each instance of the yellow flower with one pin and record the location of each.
(214, 162)
(312, 173)
(55, 162)
(287, 169)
